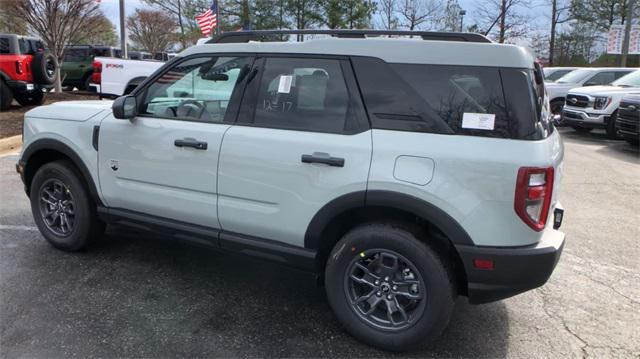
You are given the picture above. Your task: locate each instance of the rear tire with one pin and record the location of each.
(395, 261)
(33, 98)
(5, 96)
(62, 209)
(87, 82)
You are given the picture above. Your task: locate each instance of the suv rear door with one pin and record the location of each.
(301, 140)
(164, 161)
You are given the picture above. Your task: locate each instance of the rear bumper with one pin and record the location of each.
(18, 87)
(515, 270)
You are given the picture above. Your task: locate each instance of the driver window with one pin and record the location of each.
(195, 90)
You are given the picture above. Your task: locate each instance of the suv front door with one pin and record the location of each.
(164, 162)
(301, 140)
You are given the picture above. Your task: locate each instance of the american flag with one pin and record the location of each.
(208, 20)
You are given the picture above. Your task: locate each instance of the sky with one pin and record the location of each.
(537, 14)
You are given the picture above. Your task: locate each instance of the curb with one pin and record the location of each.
(10, 144)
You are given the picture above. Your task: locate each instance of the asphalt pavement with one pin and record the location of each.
(140, 295)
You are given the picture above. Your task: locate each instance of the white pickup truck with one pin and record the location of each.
(113, 77)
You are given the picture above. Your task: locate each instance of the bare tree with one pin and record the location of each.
(558, 16)
(175, 8)
(501, 16)
(388, 16)
(151, 30)
(416, 12)
(98, 31)
(55, 21)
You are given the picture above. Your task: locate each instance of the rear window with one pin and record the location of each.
(4, 46)
(462, 100)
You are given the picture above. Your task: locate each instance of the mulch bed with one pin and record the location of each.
(11, 121)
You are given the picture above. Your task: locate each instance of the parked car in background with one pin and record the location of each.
(26, 68)
(140, 55)
(113, 77)
(628, 119)
(578, 78)
(551, 74)
(76, 67)
(592, 107)
(333, 155)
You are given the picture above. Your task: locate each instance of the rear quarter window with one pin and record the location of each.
(4, 46)
(450, 99)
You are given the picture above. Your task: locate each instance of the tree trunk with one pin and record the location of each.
(503, 21)
(552, 38)
(181, 25)
(57, 85)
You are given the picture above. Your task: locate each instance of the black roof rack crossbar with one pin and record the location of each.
(258, 35)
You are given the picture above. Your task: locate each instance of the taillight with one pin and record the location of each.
(96, 76)
(533, 195)
(19, 68)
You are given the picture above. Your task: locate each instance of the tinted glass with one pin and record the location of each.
(575, 76)
(303, 94)
(629, 80)
(75, 55)
(4, 46)
(104, 52)
(602, 78)
(198, 89)
(458, 94)
(557, 74)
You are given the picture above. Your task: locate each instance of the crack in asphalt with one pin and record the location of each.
(564, 324)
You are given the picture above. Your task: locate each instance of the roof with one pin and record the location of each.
(393, 50)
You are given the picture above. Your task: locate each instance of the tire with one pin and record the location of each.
(86, 83)
(61, 180)
(429, 314)
(44, 67)
(33, 98)
(612, 132)
(582, 129)
(5, 96)
(556, 106)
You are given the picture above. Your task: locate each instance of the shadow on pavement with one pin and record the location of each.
(136, 294)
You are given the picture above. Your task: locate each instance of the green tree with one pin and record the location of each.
(347, 14)
(269, 15)
(600, 14)
(304, 14)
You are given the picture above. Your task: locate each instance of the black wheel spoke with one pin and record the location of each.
(57, 208)
(385, 289)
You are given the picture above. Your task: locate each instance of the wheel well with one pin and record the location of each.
(424, 230)
(43, 156)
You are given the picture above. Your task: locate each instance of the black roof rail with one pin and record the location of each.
(258, 35)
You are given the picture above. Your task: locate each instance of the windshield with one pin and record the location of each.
(575, 77)
(630, 80)
(555, 75)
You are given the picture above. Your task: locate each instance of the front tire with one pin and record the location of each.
(5, 96)
(612, 132)
(62, 208)
(387, 288)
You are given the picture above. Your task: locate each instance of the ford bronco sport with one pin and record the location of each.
(403, 171)
(25, 69)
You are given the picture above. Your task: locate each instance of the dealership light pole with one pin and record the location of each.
(123, 33)
(627, 33)
(462, 14)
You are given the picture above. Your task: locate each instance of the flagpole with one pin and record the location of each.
(123, 34)
(218, 17)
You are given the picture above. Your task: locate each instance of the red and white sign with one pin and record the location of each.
(616, 37)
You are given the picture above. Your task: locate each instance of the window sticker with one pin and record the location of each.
(284, 86)
(478, 121)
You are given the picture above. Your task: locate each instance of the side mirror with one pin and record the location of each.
(125, 107)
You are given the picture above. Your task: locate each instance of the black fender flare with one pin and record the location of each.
(58, 146)
(381, 198)
(4, 76)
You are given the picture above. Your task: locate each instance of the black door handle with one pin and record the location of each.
(191, 142)
(324, 158)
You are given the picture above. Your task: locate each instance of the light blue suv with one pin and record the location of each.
(402, 171)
